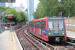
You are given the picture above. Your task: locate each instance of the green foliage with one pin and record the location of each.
(17, 16)
(2, 9)
(50, 8)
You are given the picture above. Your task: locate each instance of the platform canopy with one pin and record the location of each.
(10, 1)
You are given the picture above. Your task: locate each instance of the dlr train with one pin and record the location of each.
(48, 28)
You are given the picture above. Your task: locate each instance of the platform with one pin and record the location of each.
(70, 34)
(9, 41)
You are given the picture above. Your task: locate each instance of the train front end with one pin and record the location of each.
(56, 28)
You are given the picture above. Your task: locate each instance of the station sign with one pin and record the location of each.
(9, 1)
(9, 16)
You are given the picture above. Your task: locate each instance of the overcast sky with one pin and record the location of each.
(17, 3)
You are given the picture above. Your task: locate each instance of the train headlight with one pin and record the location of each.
(49, 33)
(63, 33)
(49, 29)
(61, 29)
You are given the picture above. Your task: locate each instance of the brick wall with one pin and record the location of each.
(70, 23)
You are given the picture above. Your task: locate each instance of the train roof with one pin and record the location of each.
(55, 17)
(47, 18)
(39, 19)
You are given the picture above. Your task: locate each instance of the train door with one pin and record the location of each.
(56, 27)
(34, 27)
(39, 27)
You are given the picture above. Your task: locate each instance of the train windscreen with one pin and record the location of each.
(50, 24)
(55, 25)
(61, 24)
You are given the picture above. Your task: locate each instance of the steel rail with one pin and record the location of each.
(19, 38)
(44, 43)
(26, 37)
(48, 45)
(31, 42)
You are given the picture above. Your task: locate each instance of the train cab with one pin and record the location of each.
(48, 28)
(56, 28)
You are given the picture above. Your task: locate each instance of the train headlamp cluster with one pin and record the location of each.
(49, 29)
(61, 29)
(63, 33)
(49, 33)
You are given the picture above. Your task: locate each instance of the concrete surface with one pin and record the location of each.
(4, 39)
(9, 41)
(70, 33)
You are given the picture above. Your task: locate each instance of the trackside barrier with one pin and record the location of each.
(19, 25)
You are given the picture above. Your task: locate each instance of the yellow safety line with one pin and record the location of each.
(14, 41)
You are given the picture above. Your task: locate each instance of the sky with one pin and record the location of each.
(24, 2)
(17, 3)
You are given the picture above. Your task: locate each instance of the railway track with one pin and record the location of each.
(63, 46)
(30, 42)
(56, 46)
(26, 44)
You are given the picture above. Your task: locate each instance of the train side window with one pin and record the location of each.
(30, 24)
(40, 24)
(34, 24)
(37, 24)
(60, 24)
(43, 25)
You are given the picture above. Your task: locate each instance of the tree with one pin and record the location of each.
(2, 9)
(50, 8)
(24, 17)
(17, 16)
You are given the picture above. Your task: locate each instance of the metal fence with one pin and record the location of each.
(15, 27)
